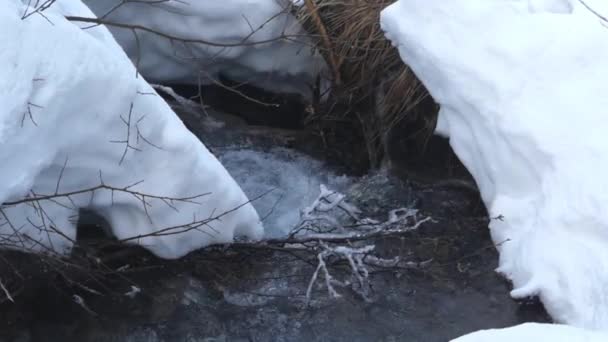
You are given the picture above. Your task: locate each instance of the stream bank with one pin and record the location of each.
(249, 294)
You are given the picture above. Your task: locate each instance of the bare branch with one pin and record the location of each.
(6, 292)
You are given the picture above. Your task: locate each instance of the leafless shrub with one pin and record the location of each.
(333, 232)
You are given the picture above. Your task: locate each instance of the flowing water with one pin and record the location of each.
(247, 294)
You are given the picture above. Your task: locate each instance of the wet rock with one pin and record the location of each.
(377, 193)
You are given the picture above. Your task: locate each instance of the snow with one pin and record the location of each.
(287, 180)
(534, 332)
(521, 86)
(286, 63)
(75, 116)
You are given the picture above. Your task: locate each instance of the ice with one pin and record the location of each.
(75, 116)
(522, 88)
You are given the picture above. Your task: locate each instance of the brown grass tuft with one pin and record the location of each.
(370, 81)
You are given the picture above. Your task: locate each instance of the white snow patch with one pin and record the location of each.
(522, 89)
(535, 332)
(550, 6)
(86, 104)
(289, 181)
(285, 63)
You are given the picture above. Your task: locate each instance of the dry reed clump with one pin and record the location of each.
(370, 81)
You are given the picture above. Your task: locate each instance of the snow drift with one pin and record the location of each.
(522, 89)
(534, 332)
(75, 115)
(285, 62)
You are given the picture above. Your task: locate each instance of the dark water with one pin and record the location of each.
(249, 294)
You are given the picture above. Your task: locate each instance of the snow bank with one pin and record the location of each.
(71, 97)
(534, 332)
(522, 88)
(287, 63)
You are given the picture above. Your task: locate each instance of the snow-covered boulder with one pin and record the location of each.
(253, 41)
(75, 115)
(534, 332)
(523, 95)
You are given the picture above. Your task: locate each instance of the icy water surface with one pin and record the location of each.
(249, 294)
(287, 180)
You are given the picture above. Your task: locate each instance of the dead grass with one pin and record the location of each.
(371, 83)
